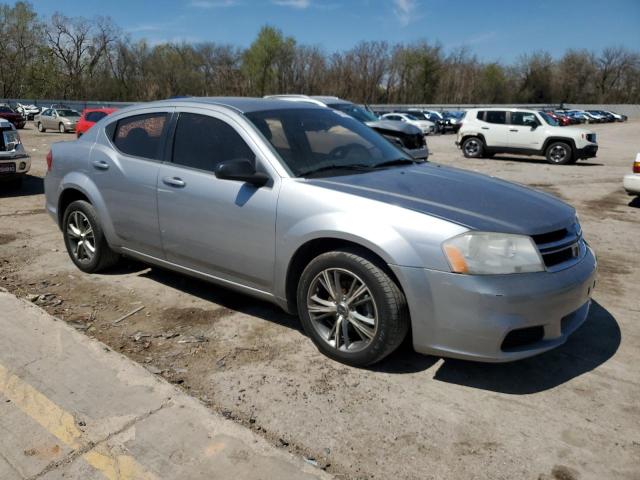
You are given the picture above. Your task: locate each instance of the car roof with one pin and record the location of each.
(240, 104)
(100, 109)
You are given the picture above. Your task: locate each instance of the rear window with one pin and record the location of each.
(141, 135)
(493, 116)
(95, 116)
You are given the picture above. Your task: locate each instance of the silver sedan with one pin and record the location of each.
(312, 210)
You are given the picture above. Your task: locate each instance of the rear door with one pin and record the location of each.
(125, 170)
(493, 126)
(525, 131)
(223, 228)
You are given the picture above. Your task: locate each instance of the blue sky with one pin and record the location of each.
(493, 29)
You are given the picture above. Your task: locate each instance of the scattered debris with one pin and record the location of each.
(193, 339)
(311, 461)
(124, 317)
(155, 370)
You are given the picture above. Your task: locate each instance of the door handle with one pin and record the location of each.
(101, 165)
(485, 128)
(513, 129)
(174, 181)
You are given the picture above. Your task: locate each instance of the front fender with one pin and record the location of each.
(397, 235)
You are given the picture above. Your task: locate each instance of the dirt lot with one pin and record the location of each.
(573, 413)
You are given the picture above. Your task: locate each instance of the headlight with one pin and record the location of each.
(485, 253)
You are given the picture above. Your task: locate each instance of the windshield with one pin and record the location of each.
(68, 113)
(549, 119)
(311, 139)
(6, 109)
(453, 114)
(355, 111)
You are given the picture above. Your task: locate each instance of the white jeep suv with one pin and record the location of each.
(487, 131)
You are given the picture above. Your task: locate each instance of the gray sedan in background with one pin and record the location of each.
(60, 119)
(312, 210)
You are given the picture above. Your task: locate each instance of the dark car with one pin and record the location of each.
(427, 115)
(453, 120)
(405, 136)
(15, 118)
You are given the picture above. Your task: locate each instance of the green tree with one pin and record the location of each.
(266, 61)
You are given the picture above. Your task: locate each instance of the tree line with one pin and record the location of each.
(92, 59)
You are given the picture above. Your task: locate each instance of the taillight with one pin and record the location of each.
(49, 161)
(636, 167)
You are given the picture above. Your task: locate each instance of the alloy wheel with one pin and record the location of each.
(558, 153)
(81, 236)
(342, 310)
(472, 147)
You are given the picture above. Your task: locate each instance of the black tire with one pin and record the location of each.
(560, 153)
(103, 256)
(41, 128)
(61, 128)
(473, 147)
(390, 304)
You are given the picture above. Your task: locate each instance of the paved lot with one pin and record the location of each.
(568, 414)
(72, 408)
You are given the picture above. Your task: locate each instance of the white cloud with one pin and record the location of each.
(300, 4)
(405, 10)
(212, 3)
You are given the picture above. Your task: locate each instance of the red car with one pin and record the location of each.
(89, 117)
(15, 118)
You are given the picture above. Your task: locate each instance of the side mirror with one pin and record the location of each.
(533, 124)
(241, 170)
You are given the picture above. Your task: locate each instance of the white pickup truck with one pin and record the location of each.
(14, 161)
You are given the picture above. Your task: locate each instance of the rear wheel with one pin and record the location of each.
(85, 240)
(560, 153)
(350, 307)
(473, 147)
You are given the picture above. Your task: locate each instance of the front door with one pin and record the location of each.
(222, 228)
(525, 131)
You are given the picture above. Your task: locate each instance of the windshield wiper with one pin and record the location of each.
(359, 167)
(397, 161)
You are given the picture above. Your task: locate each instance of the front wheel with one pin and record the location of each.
(473, 147)
(41, 128)
(559, 153)
(84, 238)
(61, 128)
(350, 307)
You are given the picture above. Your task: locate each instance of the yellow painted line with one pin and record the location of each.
(62, 425)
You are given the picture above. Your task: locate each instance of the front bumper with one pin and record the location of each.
(470, 316)
(631, 183)
(418, 153)
(21, 163)
(589, 151)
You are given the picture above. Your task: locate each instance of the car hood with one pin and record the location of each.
(472, 200)
(395, 126)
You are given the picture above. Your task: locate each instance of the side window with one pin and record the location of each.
(141, 135)
(493, 116)
(46, 113)
(522, 118)
(480, 115)
(203, 142)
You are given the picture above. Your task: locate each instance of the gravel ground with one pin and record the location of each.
(572, 413)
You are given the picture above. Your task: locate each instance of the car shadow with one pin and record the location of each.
(224, 297)
(31, 185)
(635, 202)
(589, 347)
(503, 158)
